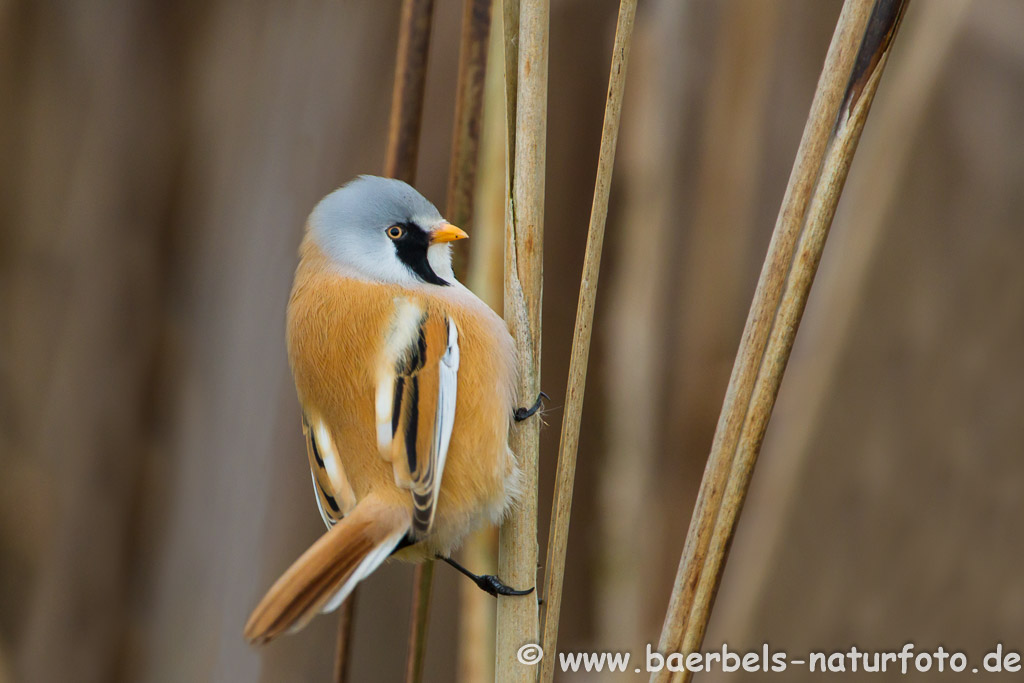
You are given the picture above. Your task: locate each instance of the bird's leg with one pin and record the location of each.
(523, 413)
(488, 583)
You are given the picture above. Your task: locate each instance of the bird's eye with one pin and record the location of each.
(395, 232)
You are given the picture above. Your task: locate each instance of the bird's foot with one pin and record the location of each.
(492, 585)
(523, 413)
(488, 583)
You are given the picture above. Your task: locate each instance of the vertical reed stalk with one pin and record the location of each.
(400, 162)
(554, 566)
(510, 42)
(524, 239)
(407, 94)
(469, 97)
(840, 107)
(342, 659)
(484, 278)
(476, 19)
(422, 579)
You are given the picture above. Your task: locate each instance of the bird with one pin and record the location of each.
(406, 382)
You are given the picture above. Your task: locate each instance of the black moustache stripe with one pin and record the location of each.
(412, 251)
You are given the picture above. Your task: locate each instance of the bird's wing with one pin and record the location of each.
(415, 407)
(334, 495)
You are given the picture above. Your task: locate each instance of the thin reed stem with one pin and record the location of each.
(840, 107)
(510, 42)
(469, 97)
(484, 278)
(518, 618)
(566, 472)
(476, 18)
(811, 378)
(399, 162)
(421, 593)
(407, 94)
(342, 660)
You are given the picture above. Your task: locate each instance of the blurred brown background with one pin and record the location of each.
(158, 159)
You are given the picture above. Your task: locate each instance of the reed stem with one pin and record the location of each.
(400, 162)
(476, 19)
(569, 442)
(518, 618)
(840, 107)
(811, 378)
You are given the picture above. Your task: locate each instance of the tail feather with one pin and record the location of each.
(326, 573)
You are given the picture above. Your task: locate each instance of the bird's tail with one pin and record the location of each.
(324, 575)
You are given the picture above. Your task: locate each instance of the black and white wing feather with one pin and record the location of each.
(417, 383)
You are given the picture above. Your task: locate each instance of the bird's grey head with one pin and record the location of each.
(386, 231)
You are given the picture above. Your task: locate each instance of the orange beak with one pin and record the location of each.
(447, 233)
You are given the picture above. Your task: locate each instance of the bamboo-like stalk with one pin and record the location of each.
(469, 97)
(484, 278)
(423, 576)
(484, 275)
(407, 95)
(840, 107)
(475, 663)
(342, 660)
(476, 19)
(811, 378)
(400, 162)
(524, 239)
(558, 536)
(510, 43)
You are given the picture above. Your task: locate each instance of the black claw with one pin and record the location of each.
(492, 585)
(488, 583)
(523, 413)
